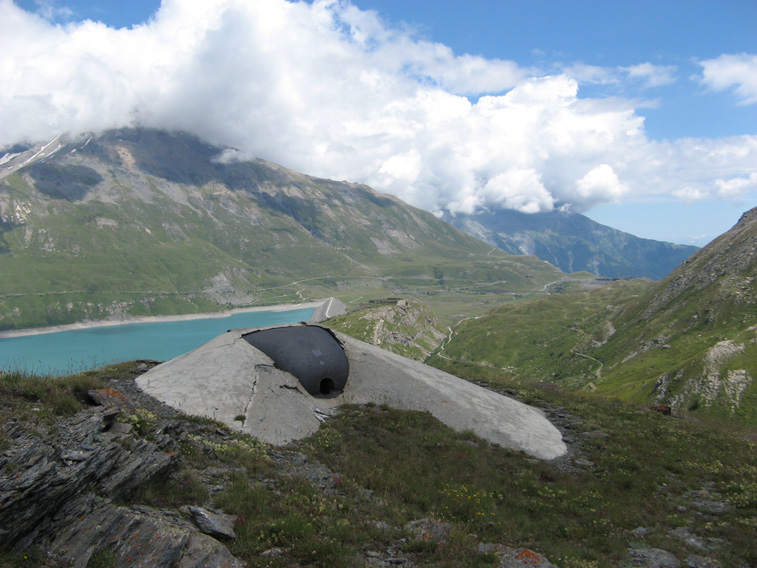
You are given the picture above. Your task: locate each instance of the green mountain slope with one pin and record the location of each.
(689, 341)
(573, 242)
(541, 340)
(148, 222)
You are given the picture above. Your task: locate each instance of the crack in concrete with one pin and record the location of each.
(249, 400)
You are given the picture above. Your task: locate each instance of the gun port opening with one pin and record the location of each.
(327, 386)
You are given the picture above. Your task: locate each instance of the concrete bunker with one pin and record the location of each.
(227, 378)
(311, 353)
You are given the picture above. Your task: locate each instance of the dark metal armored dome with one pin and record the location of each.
(310, 353)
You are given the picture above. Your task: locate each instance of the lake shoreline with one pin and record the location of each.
(156, 319)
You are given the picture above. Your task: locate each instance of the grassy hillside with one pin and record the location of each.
(546, 339)
(633, 481)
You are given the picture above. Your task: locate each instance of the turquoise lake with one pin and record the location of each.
(66, 352)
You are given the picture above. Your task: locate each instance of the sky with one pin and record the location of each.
(640, 114)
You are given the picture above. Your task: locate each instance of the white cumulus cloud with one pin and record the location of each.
(690, 194)
(518, 189)
(331, 90)
(735, 187)
(652, 75)
(600, 183)
(732, 71)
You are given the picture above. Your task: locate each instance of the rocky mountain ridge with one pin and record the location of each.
(727, 262)
(147, 222)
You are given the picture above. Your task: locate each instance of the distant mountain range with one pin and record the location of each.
(573, 242)
(144, 222)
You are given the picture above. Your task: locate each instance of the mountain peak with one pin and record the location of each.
(726, 266)
(748, 217)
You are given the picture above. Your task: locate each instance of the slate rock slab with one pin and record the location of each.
(212, 524)
(653, 558)
(429, 529)
(110, 398)
(41, 476)
(137, 537)
(695, 561)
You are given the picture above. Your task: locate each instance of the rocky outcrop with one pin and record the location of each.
(715, 385)
(653, 558)
(43, 474)
(515, 558)
(136, 536)
(406, 328)
(58, 490)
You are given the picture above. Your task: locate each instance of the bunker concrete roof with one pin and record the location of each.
(228, 378)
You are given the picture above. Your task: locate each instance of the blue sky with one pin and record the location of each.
(657, 31)
(641, 114)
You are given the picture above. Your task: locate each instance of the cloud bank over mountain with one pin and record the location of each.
(331, 90)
